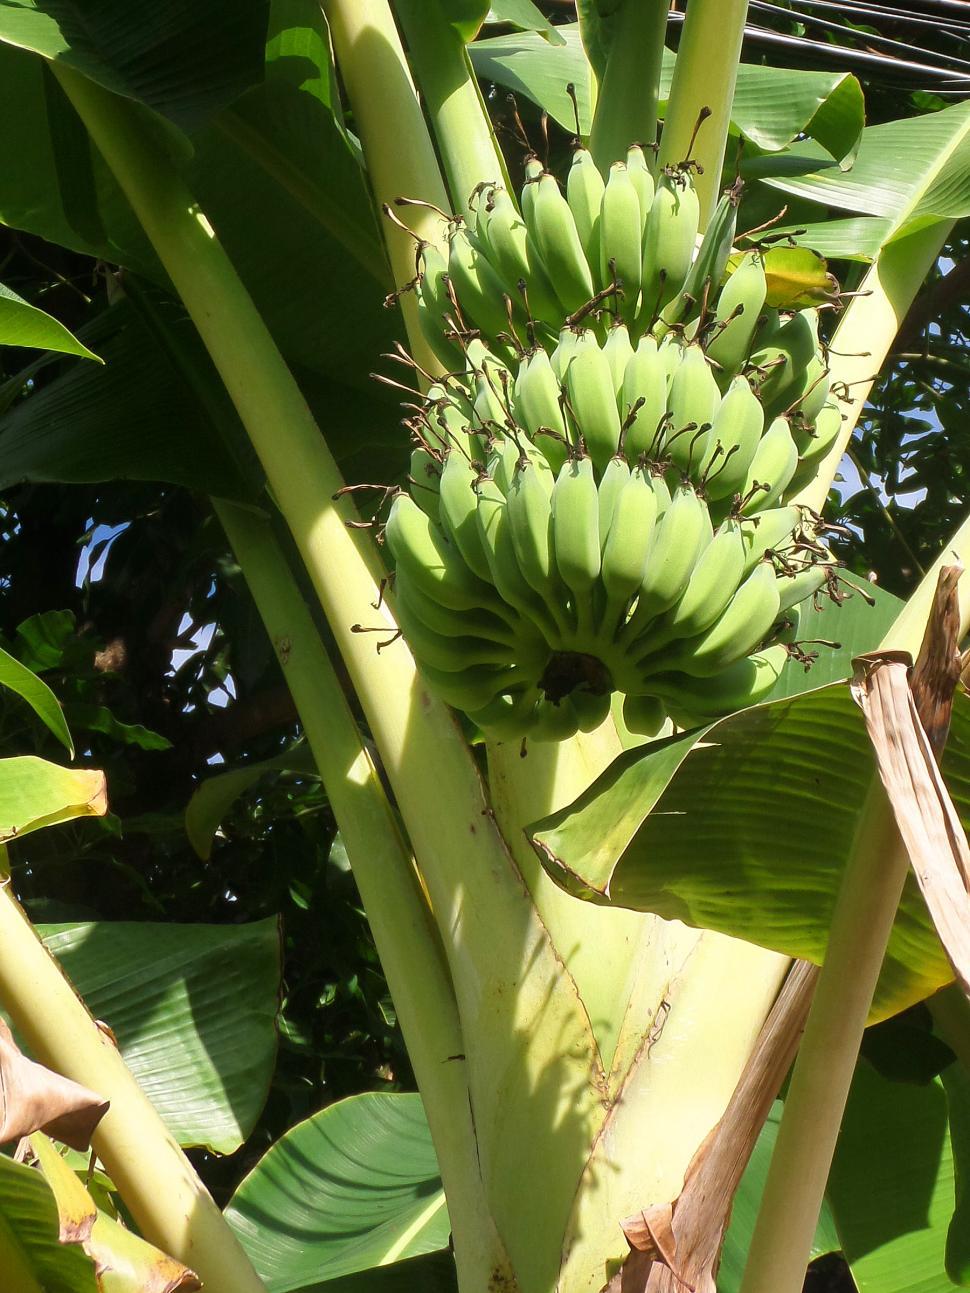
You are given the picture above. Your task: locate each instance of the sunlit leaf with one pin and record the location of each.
(22, 324)
(29, 1233)
(194, 1010)
(35, 793)
(796, 278)
(353, 1187)
(38, 696)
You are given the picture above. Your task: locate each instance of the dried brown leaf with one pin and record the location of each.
(33, 1098)
(928, 822)
(677, 1245)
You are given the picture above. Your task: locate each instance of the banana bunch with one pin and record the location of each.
(530, 592)
(599, 487)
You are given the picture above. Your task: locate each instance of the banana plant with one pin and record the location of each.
(578, 1026)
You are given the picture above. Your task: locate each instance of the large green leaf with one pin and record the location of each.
(772, 106)
(194, 1010)
(38, 696)
(29, 1224)
(353, 1187)
(22, 324)
(432, 1273)
(35, 794)
(891, 1183)
(325, 316)
(187, 62)
(906, 171)
(132, 419)
(747, 1201)
(719, 851)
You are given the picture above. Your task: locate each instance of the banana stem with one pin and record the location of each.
(704, 77)
(628, 98)
(864, 336)
(172, 1207)
(397, 911)
(466, 138)
(864, 912)
(400, 155)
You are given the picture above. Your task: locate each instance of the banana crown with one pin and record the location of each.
(597, 491)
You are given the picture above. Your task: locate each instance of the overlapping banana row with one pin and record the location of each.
(598, 496)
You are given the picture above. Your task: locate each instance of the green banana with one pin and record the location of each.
(503, 627)
(704, 276)
(713, 582)
(814, 445)
(584, 193)
(619, 351)
(768, 531)
(434, 565)
(621, 256)
(592, 401)
(554, 229)
(538, 406)
(739, 630)
(736, 432)
(645, 378)
(627, 544)
(424, 476)
(612, 480)
(642, 179)
(771, 470)
(644, 715)
(481, 294)
(534, 170)
(693, 401)
(448, 654)
(575, 516)
(471, 689)
(571, 341)
(749, 681)
(779, 362)
(736, 314)
(435, 308)
(669, 240)
(458, 506)
(507, 576)
(530, 525)
(516, 258)
(675, 546)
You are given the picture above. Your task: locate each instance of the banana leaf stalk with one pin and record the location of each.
(459, 121)
(704, 78)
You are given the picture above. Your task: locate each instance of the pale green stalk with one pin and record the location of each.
(397, 912)
(172, 1207)
(704, 77)
(627, 99)
(470, 153)
(865, 909)
(866, 333)
(864, 913)
(401, 160)
(525, 1030)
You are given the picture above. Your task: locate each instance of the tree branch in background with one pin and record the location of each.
(930, 304)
